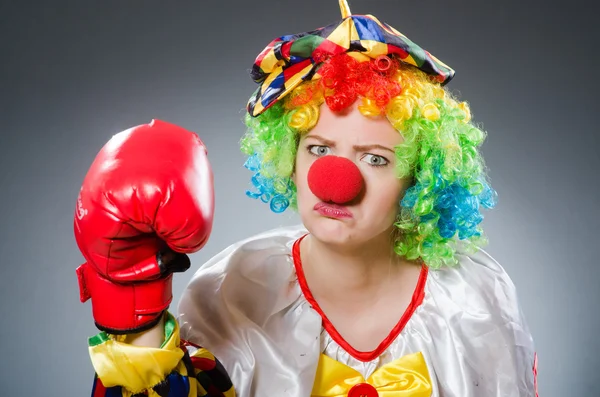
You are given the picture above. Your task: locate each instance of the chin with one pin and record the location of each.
(348, 232)
(330, 230)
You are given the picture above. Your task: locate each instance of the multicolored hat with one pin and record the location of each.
(289, 60)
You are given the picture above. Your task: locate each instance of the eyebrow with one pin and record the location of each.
(360, 148)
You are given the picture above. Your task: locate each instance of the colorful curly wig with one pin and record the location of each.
(442, 209)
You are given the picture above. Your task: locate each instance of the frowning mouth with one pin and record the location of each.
(332, 210)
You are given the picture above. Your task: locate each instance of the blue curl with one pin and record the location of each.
(265, 188)
(279, 204)
(458, 209)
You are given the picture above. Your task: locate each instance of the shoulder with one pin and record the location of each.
(262, 252)
(475, 311)
(253, 278)
(480, 304)
(479, 283)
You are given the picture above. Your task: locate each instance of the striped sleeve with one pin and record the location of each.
(209, 374)
(177, 369)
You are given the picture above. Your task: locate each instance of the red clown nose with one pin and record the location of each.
(335, 179)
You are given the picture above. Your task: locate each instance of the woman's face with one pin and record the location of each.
(369, 143)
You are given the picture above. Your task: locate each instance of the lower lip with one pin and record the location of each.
(332, 212)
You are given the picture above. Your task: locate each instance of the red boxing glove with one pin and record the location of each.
(148, 193)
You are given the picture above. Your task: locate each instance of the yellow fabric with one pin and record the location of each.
(360, 57)
(340, 35)
(406, 376)
(345, 9)
(375, 48)
(136, 368)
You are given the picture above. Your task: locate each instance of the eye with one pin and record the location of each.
(319, 150)
(375, 160)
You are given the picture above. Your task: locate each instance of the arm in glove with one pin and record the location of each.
(147, 195)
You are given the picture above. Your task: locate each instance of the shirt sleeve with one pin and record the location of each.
(499, 350)
(177, 369)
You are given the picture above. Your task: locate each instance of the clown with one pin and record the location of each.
(384, 290)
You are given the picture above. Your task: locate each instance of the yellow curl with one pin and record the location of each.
(400, 109)
(431, 112)
(369, 108)
(304, 117)
(418, 92)
(439, 93)
(466, 110)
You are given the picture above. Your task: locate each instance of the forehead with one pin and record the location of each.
(353, 127)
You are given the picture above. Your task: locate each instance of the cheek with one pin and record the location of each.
(383, 196)
(303, 162)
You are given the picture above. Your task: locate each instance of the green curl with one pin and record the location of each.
(438, 215)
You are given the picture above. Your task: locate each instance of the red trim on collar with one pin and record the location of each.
(417, 299)
(535, 371)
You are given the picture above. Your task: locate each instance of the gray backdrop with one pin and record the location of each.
(74, 73)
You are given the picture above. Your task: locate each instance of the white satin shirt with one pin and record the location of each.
(247, 307)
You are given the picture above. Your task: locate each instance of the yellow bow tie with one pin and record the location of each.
(404, 377)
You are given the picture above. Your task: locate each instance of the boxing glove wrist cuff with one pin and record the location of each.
(134, 330)
(121, 308)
